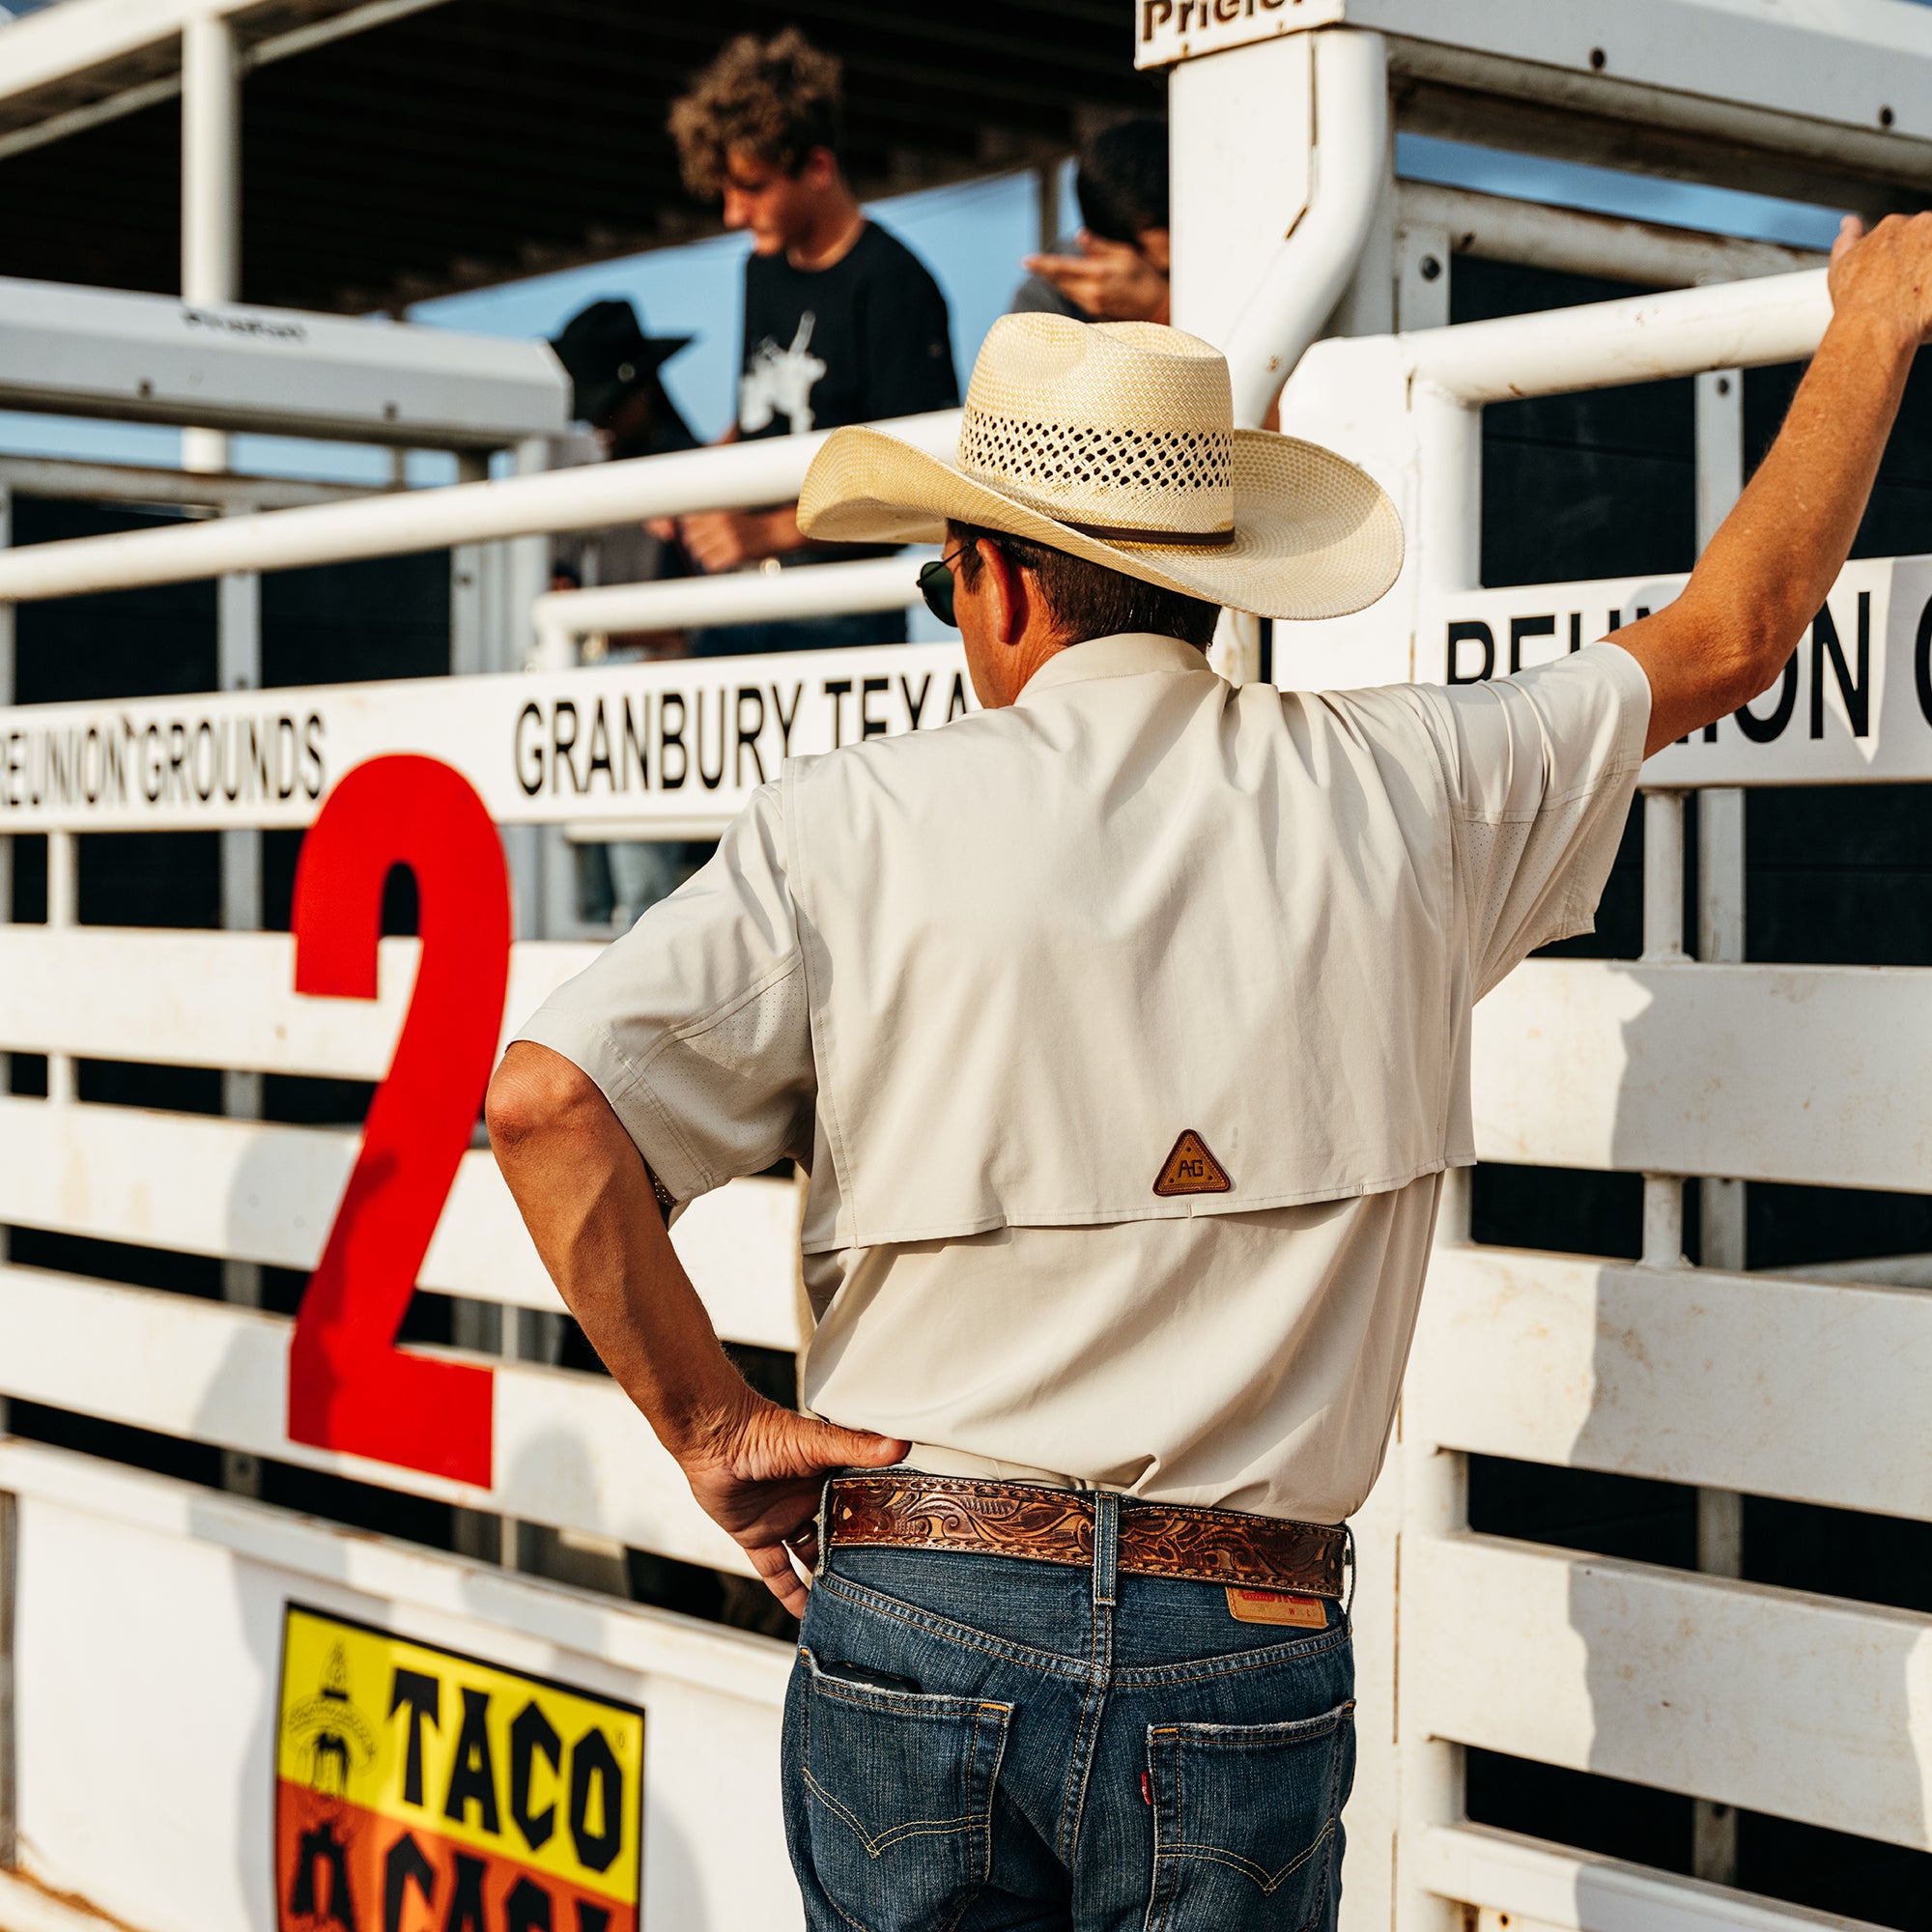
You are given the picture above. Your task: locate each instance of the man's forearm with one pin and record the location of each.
(1781, 547)
(586, 1198)
(1765, 572)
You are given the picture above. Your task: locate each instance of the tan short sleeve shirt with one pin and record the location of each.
(979, 980)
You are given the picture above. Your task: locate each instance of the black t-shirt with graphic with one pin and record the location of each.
(864, 339)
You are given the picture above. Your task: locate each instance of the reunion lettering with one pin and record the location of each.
(183, 760)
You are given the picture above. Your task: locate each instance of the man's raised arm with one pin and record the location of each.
(1764, 575)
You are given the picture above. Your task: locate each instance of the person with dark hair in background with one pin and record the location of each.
(1116, 267)
(617, 390)
(843, 324)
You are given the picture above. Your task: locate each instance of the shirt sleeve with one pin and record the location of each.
(1541, 767)
(695, 1024)
(905, 345)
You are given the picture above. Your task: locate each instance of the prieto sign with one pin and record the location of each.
(1853, 704)
(1176, 30)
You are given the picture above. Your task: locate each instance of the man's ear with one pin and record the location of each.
(1005, 593)
(820, 169)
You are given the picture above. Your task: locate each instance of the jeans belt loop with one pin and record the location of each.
(1355, 1571)
(1106, 1545)
(824, 1527)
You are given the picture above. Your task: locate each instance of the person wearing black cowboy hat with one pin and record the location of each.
(616, 388)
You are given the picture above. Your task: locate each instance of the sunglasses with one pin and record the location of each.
(935, 585)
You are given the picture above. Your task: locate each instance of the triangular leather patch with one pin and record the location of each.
(1190, 1169)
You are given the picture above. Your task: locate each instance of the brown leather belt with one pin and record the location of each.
(911, 1511)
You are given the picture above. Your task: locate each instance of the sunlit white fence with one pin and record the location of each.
(1803, 1706)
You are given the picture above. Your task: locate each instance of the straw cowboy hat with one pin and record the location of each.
(1116, 441)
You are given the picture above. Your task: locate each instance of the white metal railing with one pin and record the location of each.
(744, 597)
(1550, 1655)
(740, 476)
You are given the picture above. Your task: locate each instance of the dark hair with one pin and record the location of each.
(1087, 600)
(1121, 180)
(778, 100)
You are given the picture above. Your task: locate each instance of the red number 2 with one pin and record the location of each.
(350, 1388)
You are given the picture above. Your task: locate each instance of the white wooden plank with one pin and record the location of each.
(224, 999)
(1527, 1879)
(258, 1192)
(687, 739)
(1820, 723)
(705, 1657)
(1809, 1390)
(210, 1576)
(1800, 1073)
(1800, 1706)
(570, 1449)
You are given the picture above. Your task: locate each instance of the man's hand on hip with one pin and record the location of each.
(760, 1474)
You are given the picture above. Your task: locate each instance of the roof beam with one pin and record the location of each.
(91, 61)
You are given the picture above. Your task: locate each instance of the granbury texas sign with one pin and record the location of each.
(686, 741)
(1853, 704)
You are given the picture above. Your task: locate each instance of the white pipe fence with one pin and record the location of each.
(740, 476)
(744, 597)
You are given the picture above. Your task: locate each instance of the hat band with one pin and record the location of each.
(1133, 533)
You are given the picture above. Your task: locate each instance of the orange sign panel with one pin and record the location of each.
(420, 1790)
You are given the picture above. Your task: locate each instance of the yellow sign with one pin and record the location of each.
(418, 1790)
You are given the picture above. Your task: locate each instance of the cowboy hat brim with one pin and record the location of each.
(1313, 535)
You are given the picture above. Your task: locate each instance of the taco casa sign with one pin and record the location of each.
(691, 739)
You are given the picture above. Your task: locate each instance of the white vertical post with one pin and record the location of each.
(63, 909)
(468, 652)
(9, 1763)
(239, 668)
(1434, 1495)
(511, 577)
(1720, 936)
(6, 917)
(211, 189)
(1663, 942)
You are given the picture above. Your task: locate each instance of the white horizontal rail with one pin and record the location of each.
(1801, 1389)
(744, 596)
(740, 476)
(1804, 1707)
(1670, 1069)
(61, 477)
(1580, 1891)
(688, 740)
(225, 998)
(252, 1191)
(1498, 228)
(570, 1450)
(633, 1636)
(1641, 339)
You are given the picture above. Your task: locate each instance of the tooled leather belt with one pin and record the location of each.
(911, 1511)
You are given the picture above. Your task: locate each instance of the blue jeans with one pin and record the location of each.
(976, 1742)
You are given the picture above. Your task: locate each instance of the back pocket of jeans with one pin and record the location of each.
(900, 1785)
(1245, 1817)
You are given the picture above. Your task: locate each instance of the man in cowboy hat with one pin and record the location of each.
(1122, 1028)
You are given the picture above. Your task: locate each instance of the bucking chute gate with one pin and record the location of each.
(223, 1714)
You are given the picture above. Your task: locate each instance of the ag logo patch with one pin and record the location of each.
(1190, 1169)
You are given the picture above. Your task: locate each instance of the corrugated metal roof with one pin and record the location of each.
(486, 139)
